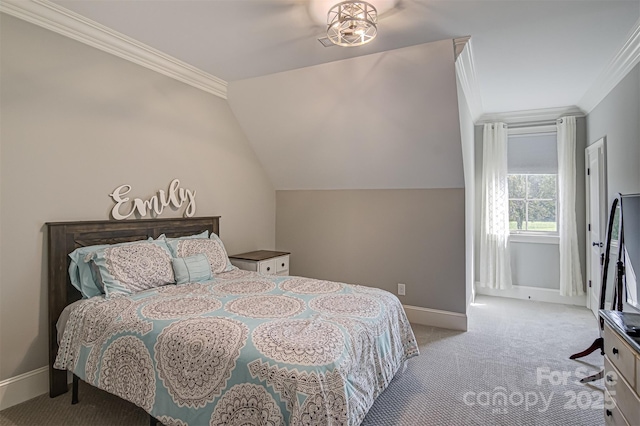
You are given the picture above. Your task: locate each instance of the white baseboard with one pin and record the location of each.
(436, 318)
(534, 293)
(23, 387)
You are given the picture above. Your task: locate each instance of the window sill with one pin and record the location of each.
(534, 238)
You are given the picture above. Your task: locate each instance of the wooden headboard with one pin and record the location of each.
(65, 237)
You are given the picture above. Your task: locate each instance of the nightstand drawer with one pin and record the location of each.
(619, 353)
(282, 264)
(267, 267)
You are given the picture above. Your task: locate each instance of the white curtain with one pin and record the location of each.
(570, 273)
(495, 263)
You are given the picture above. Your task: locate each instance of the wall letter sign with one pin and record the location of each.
(175, 197)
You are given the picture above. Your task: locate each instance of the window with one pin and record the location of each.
(532, 180)
(532, 203)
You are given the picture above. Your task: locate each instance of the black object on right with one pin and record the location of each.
(599, 342)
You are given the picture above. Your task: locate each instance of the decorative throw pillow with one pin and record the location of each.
(211, 247)
(132, 267)
(191, 269)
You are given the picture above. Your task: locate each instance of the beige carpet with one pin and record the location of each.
(514, 348)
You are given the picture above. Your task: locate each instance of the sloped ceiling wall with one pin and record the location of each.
(383, 121)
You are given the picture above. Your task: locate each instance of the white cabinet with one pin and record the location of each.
(621, 363)
(266, 262)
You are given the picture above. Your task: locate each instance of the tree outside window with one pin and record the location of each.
(533, 203)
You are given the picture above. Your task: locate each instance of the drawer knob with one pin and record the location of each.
(268, 268)
(609, 413)
(615, 351)
(283, 265)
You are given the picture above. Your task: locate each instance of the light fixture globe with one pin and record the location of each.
(352, 23)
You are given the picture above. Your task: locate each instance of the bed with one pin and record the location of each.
(234, 348)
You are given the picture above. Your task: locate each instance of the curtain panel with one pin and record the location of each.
(570, 271)
(495, 261)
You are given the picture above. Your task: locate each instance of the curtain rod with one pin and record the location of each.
(530, 124)
(519, 124)
(535, 124)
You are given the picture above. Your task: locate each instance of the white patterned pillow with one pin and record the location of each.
(130, 268)
(203, 234)
(211, 247)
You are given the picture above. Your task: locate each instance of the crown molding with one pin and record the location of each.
(459, 44)
(531, 116)
(622, 62)
(466, 72)
(70, 24)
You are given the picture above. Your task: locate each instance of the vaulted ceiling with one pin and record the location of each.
(529, 54)
(383, 115)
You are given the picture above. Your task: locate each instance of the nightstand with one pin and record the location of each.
(263, 261)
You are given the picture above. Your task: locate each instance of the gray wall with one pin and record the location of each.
(342, 142)
(525, 257)
(77, 123)
(379, 238)
(617, 117)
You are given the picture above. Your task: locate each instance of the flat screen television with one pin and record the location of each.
(630, 214)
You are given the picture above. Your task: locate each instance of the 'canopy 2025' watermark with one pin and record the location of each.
(499, 399)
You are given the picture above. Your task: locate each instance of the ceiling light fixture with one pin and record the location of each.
(352, 23)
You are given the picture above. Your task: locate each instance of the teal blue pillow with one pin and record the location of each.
(191, 269)
(132, 267)
(81, 274)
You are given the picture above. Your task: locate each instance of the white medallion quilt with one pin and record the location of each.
(242, 349)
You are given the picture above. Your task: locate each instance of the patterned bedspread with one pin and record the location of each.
(242, 349)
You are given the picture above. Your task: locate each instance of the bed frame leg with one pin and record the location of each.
(74, 390)
(153, 421)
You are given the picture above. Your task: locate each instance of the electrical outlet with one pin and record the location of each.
(401, 289)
